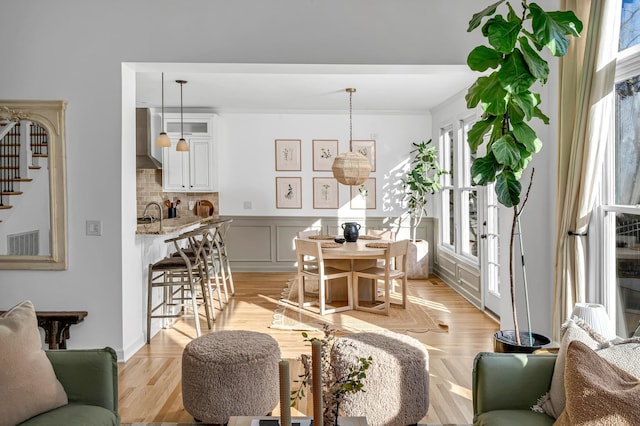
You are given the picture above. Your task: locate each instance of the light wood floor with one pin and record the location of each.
(150, 386)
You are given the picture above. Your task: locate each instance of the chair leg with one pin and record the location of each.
(149, 302)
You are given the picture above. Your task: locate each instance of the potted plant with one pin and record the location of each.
(511, 64)
(422, 180)
(336, 385)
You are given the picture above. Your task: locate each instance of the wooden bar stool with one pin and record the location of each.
(179, 278)
(223, 257)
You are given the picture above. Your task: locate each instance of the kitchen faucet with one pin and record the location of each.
(153, 203)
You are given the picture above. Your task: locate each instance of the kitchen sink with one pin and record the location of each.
(147, 219)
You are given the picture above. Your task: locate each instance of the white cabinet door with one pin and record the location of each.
(200, 165)
(188, 171)
(175, 168)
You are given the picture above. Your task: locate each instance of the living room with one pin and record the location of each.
(89, 65)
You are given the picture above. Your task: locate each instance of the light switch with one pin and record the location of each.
(247, 205)
(94, 227)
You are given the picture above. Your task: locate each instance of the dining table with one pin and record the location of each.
(352, 256)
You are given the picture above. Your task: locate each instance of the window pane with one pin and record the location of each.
(448, 156)
(627, 144)
(470, 217)
(628, 272)
(629, 24)
(448, 229)
(468, 157)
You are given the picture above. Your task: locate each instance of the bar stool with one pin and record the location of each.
(211, 255)
(179, 278)
(221, 250)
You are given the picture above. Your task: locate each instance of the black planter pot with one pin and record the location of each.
(504, 341)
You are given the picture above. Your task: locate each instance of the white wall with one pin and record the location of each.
(74, 50)
(247, 169)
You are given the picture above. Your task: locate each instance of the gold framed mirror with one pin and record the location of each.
(33, 202)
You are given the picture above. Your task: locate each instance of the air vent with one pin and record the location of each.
(24, 244)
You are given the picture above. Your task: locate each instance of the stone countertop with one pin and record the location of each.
(172, 225)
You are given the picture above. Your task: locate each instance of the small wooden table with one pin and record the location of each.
(56, 326)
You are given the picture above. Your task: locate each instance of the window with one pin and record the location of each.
(619, 222)
(459, 197)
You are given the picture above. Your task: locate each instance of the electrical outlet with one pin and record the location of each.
(94, 227)
(247, 205)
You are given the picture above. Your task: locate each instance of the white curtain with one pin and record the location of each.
(585, 120)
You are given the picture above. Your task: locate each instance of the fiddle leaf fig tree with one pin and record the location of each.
(422, 180)
(512, 64)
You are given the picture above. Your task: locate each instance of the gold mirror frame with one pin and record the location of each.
(49, 115)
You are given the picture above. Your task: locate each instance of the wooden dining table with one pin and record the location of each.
(353, 257)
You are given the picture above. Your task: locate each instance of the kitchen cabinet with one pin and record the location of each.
(193, 170)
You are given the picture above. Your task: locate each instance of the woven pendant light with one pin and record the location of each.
(351, 168)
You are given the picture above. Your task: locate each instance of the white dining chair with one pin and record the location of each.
(395, 268)
(311, 266)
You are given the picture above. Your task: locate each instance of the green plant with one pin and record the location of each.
(507, 100)
(335, 384)
(422, 180)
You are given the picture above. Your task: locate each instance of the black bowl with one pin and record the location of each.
(339, 240)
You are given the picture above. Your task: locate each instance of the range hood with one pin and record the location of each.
(144, 159)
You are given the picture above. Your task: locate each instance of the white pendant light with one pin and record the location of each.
(163, 140)
(351, 168)
(182, 144)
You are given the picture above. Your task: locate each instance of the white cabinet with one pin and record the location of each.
(193, 170)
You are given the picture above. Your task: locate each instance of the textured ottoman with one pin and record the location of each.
(230, 373)
(397, 382)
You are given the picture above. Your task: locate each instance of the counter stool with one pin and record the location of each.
(230, 373)
(221, 250)
(397, 382)
(179, 277)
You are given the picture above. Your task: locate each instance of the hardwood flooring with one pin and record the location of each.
(150, 386)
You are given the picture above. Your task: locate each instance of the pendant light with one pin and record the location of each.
(182, 144)
(351, 168)
(163, 140)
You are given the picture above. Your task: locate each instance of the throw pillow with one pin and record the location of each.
(553, 402)
(598, 392)
(29, 384)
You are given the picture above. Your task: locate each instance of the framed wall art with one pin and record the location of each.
(366, 148)
(324, 151)
(288, 193)
(288, 155)
(325, 193)
(363, 197)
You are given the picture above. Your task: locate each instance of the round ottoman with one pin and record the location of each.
(230, 373)
(397, 382)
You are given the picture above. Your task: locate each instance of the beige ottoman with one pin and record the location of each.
(397, 382)
(230, 373)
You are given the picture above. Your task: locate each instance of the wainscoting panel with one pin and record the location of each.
(265, 243)
(461, 276)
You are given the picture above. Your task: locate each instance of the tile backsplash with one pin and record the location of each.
(149, 188)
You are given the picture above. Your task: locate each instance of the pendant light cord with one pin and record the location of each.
(163, 102)
(181, 120)
(350, 116)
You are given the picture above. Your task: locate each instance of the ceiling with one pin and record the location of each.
(290, 88)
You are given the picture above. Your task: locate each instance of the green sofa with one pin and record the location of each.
(506, 386)
(90, 379)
